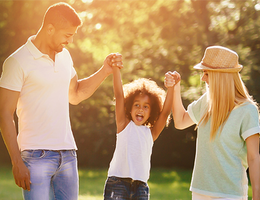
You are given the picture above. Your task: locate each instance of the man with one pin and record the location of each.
(39, 80)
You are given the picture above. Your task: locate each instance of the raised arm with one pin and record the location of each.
(252, 144)
(161, 122)
(80, 90)
(121, 120)
(181, 117)
(8, 102)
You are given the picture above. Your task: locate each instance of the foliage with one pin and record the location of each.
(153, 36)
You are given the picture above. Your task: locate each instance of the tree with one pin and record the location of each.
(154, 37)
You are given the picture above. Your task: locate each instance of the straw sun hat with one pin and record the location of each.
(219, 59)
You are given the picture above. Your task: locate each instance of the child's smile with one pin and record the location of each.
(139, 117)
(141, 109)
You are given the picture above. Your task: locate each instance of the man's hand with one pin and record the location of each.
(113, 60)
(22, 176)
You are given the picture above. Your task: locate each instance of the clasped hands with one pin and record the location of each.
(115, 60)
(171, 79)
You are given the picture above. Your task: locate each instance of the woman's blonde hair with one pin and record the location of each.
(226, 91)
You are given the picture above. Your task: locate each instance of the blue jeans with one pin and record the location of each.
(54, 174)
(125, 189)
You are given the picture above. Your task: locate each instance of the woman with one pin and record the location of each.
(228, 129)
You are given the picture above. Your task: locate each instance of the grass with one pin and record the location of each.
(165, 184)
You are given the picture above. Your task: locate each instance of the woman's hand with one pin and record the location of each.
(171, 79)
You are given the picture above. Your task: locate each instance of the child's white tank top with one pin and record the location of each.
(132, 155)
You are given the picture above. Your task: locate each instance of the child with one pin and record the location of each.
(141, 115)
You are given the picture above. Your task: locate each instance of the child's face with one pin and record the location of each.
(141, 109)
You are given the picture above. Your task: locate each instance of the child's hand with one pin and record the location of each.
(171, 79)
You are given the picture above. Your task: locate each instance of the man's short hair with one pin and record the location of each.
(61, 15)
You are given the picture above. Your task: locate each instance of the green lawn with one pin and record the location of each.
(165, 184)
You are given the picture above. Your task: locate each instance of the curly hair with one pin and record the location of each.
(144, 86)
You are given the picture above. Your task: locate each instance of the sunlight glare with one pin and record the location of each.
(98, 26)
(85, 14)
(87, 1)
(89, 15)
(257, 7)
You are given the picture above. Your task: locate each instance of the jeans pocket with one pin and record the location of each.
(73, 153)
(32, 154)
(143, 191)
(113, 180)
(115, 189)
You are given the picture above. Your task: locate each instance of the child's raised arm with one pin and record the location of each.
(121, 119)
(160, 123)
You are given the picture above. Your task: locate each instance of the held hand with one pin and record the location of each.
(177, 77)
(171, 79)
(22, 176)
(113, 60)
(116, 61)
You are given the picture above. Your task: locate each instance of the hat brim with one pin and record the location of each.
(234, 69)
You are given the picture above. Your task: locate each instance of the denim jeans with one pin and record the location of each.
(125, 189)
(53, 174)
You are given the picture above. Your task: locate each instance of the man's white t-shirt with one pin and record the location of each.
(43, 104)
